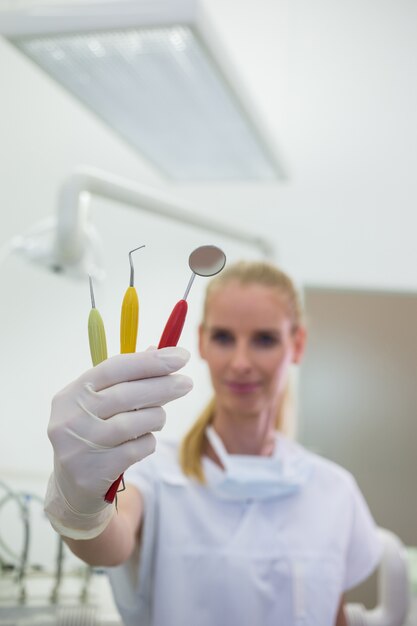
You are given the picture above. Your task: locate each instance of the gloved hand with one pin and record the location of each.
(100, 425)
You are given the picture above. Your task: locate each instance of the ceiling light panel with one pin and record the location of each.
(159, 89)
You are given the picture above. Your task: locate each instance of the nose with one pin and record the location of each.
(240, 359)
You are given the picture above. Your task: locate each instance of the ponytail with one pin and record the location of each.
(191, 449)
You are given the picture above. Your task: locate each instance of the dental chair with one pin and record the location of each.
(393, 588)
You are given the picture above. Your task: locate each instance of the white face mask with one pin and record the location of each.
(258, 477)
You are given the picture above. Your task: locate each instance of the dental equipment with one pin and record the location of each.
(58, 571)
(69, 243)
(204, 261)
(4, 547)
(393, 588)
(22, 504)
(87, 576)
(96, 332)
(18, 563)
(130, 313)
(129, 321)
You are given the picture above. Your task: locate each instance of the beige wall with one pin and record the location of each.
(358, 396)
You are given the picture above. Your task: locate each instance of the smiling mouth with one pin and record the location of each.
(242, 387)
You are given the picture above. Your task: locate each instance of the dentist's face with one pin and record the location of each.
(249, 342)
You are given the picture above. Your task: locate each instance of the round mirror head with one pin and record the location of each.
(207, 260)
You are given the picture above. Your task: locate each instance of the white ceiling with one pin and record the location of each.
(335, 82)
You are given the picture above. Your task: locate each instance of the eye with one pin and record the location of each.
(267, 339)
(222, 337)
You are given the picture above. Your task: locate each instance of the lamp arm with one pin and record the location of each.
(72, 216)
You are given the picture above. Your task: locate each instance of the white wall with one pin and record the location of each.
(333, 81)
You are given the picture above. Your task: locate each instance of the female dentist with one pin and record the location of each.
(237, 526)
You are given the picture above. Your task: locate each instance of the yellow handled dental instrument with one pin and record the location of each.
(96, 332)
(128, 335)
(130, 313)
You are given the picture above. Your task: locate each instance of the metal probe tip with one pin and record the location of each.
(190, 282)
(132, 269)
(93, 302)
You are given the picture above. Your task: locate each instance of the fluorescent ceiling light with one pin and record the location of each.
(152, 72)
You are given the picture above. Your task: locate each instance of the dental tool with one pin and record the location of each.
(96, 332)
(204, 261)
(130, 313)
(129, 321)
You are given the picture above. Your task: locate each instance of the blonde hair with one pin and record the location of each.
(245, 273)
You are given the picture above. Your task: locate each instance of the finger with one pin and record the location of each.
(140, 394)
(131, 452)
(128, 426)
(134, 366)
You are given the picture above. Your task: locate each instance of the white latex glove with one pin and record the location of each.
(100, 425)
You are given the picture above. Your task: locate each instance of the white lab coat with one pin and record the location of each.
(204, 561)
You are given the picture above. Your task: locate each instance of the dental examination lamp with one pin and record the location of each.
(70, 243)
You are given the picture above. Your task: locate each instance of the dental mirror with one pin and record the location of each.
(204, 261)
(207, 260)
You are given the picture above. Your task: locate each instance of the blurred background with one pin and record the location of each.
(270, 128)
